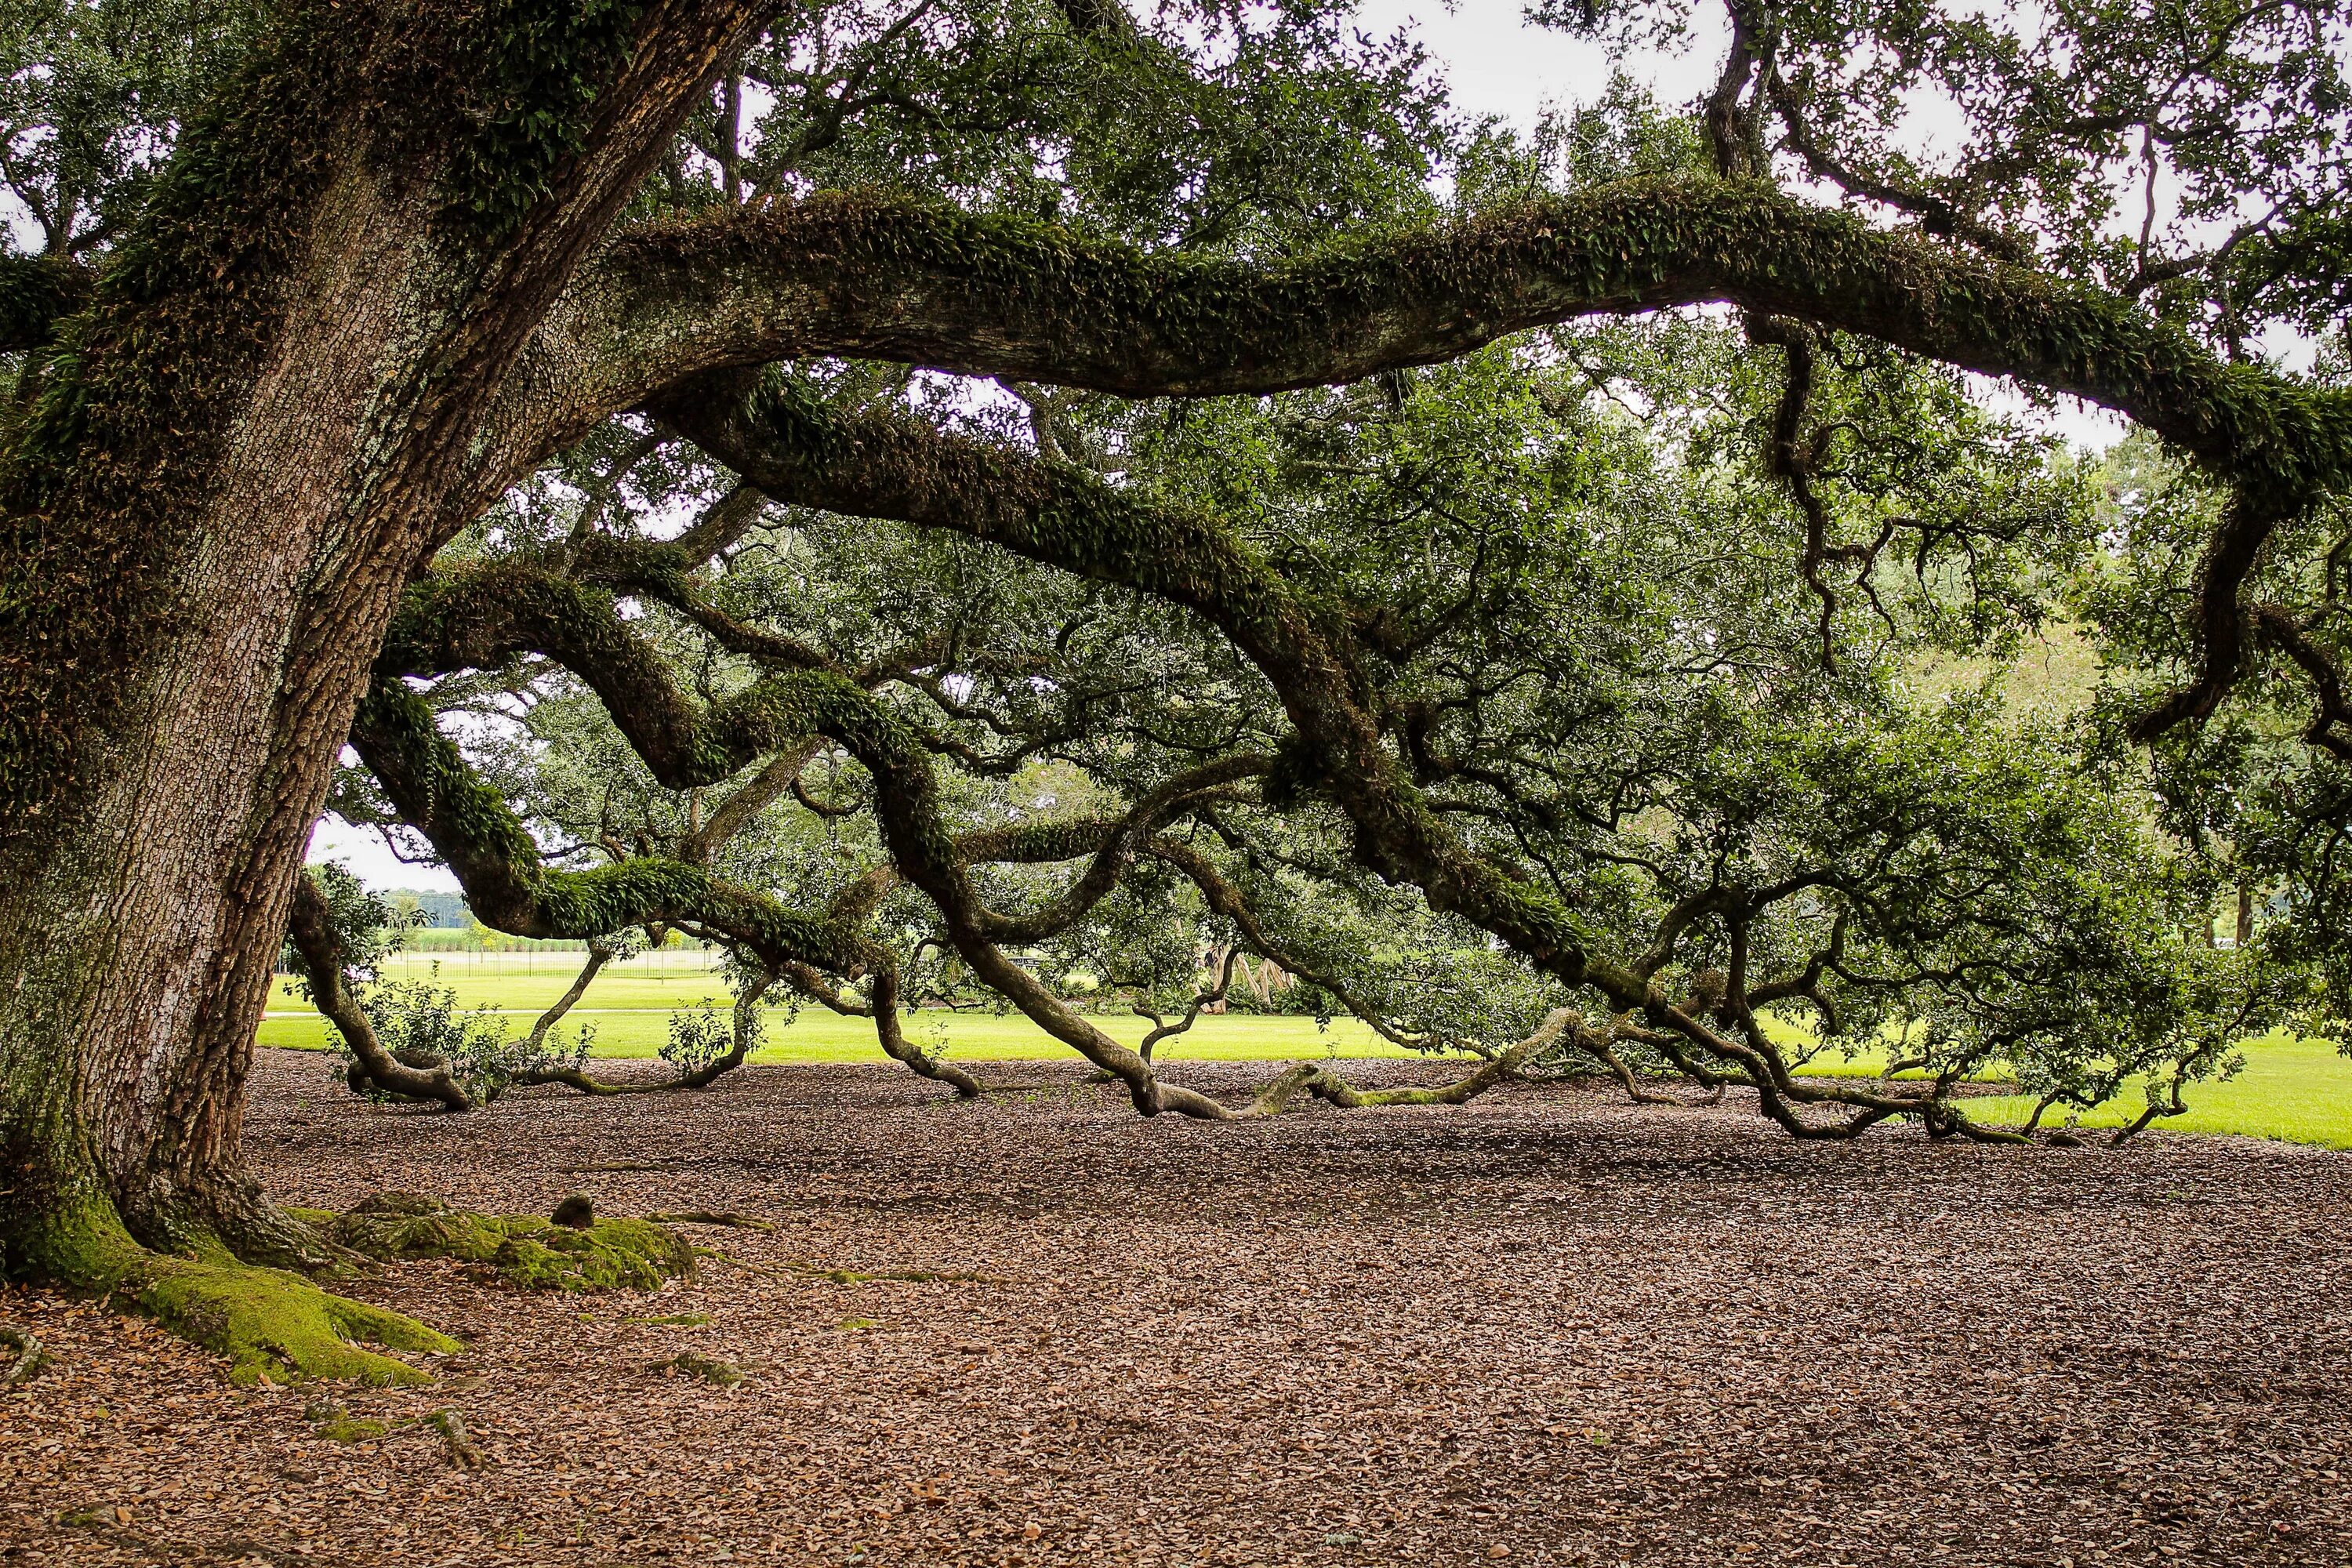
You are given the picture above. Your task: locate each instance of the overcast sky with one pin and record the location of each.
(1497, 64)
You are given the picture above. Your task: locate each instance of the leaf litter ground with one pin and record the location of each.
(1545, 1328)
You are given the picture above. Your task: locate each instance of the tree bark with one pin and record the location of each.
(276, 411)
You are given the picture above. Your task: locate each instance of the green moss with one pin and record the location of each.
(610, 1254)
(537, 65)
(393, 1226)
(276, 1327)
(270, 1324)
(498, 862)
(342, 1429)
(526, 1251)
(717, 1374)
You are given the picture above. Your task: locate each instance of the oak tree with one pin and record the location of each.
(1485, 575)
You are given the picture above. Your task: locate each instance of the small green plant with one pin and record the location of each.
(699, 1037)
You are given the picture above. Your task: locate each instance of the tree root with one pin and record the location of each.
(31, 1359)
(272, 1325)
(276, 1327)
(527, 1252)
(463, 1454)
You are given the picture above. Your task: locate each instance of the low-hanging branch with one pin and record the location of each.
(492, 613)
(901, 468)
(745, 1034)
(319, 944)
(900, 278)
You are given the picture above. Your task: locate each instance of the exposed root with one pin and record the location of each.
(273, 1326)
(30, 1359)
(276, 1327)
(463, 1454)
(526, 1251)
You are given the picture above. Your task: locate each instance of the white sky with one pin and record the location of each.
(1497, 64)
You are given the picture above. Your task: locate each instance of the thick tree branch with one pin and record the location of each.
(895, 467)
(899, 279)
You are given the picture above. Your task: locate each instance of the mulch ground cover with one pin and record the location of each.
(1543, 1327)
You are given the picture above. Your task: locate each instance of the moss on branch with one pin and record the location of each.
(497, 864)
(897, 276)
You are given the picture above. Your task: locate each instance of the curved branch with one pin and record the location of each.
(497, 865)
(1227, 900)
(310, 929)
(702, 1076)
(899, 1049)
(914, 282)
(884, 466)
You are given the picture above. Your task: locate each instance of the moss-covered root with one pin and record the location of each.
(276, 1326)
(269, 1323)
(527, 1252)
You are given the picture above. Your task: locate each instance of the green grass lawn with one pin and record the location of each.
(2299, 1091)
(2295, 1089)
(630, 1005)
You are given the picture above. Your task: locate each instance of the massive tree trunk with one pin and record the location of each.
(273, 410)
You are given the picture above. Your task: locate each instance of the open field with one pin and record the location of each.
(1545, 1328)
(630, 1006)
(2295, 1089)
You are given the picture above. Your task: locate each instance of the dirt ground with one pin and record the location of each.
(1543, 1327)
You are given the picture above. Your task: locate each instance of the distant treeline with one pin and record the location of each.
(440, 911)
(443, 924)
